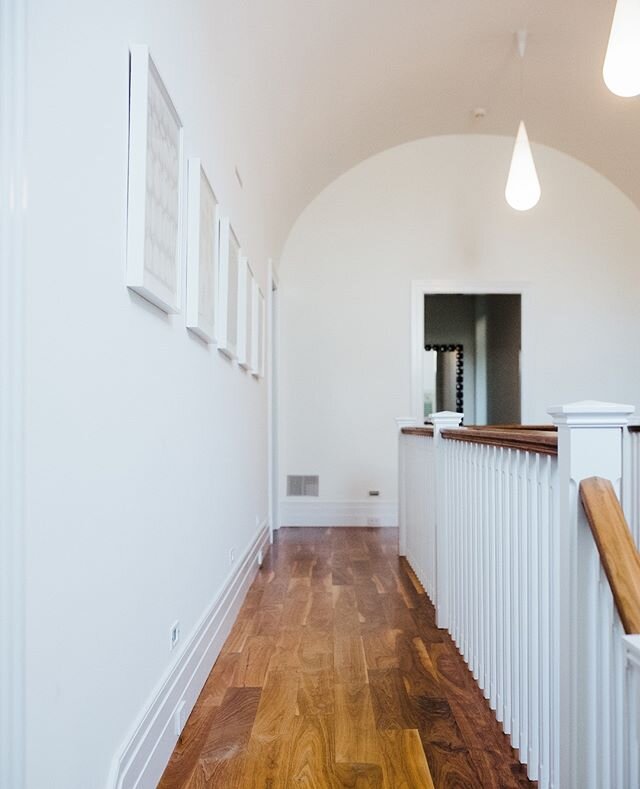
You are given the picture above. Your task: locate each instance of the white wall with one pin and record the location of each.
(146, 450)
(434, 209)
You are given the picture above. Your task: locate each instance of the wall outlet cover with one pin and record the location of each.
(174, 635)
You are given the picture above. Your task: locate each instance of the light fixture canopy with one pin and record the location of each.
(621, 69)
(522, 191)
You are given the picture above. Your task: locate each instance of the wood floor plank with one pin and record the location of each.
(349, 660)
(355, 725)
(224, 752)
(309, 761)
(265, 760)
(251, 667)
(380, 647)
(404, 762)
(391, 704)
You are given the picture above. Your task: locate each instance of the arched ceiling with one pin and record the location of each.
(316, 86)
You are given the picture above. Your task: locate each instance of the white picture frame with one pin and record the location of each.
(262, 334)
(202, 253)
(229, 258)
(245, 307)
(255, 328)
(155, 187)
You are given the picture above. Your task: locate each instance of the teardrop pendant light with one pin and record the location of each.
(523, 187)
(522, 191)
(621, 70)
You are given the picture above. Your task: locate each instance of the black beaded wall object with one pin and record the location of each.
(459, 349)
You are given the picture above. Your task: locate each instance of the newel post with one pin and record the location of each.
(442, 420)
(402, 421)
(589, 444)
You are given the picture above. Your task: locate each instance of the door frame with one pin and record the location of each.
(13, 190)
(423, 287)
(273, 283)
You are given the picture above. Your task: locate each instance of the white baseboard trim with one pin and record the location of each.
(297, 512)
(146, 752)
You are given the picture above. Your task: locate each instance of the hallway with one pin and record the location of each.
(335, 675)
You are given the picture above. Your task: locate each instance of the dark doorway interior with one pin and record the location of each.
(483, 334)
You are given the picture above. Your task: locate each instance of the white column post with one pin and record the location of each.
(13, 40)
(402, 421)
(589, 444)
(441, 421)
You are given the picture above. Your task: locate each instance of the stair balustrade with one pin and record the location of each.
(492, 523)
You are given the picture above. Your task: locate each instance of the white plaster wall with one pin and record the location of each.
(146, 450)
(434, 209)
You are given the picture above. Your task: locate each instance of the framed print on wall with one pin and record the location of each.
(202, 253)
(245, 302)
(262, 334)
(154, 209)
(255, 327)
(258, 332)
(228, 267)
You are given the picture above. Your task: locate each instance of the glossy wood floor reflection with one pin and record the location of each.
(335, 675)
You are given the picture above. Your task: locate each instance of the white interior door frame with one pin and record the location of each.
(12, 342)
(422, 287)
(272, 396)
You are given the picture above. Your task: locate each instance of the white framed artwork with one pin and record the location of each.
(154, 208)
(262, 334)
(258, 332)
(245, 307)
(202, 253)
(255, 328)
(228, 267)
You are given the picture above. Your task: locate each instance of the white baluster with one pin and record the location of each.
(441, 421)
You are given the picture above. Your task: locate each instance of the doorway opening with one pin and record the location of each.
(471, 356)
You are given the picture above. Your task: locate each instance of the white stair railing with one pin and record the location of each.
(502, 546)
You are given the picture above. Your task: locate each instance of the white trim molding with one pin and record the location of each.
(13, 191)
(298, 512)
(272, 394)
(421, 287)
(147, 750)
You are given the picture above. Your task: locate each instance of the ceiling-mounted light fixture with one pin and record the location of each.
(522, 191)
(621, 70)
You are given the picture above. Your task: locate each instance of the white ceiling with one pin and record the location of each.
(318, 85)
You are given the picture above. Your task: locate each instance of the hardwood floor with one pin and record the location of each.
(335, 675)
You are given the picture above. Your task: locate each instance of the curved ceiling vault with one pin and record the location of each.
(317, 86)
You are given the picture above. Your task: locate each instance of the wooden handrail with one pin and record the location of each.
(618, 553)
(550, 428)
(634, 428)
(417, 431)
(542, 441)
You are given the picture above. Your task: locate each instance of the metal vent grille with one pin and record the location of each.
(302, 486)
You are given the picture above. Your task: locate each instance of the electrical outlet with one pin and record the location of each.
(232, 555)
(174, 635)
(180, 718)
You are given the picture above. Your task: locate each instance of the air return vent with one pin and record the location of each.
(302, 486)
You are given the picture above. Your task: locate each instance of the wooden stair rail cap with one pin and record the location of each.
(618, 553)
